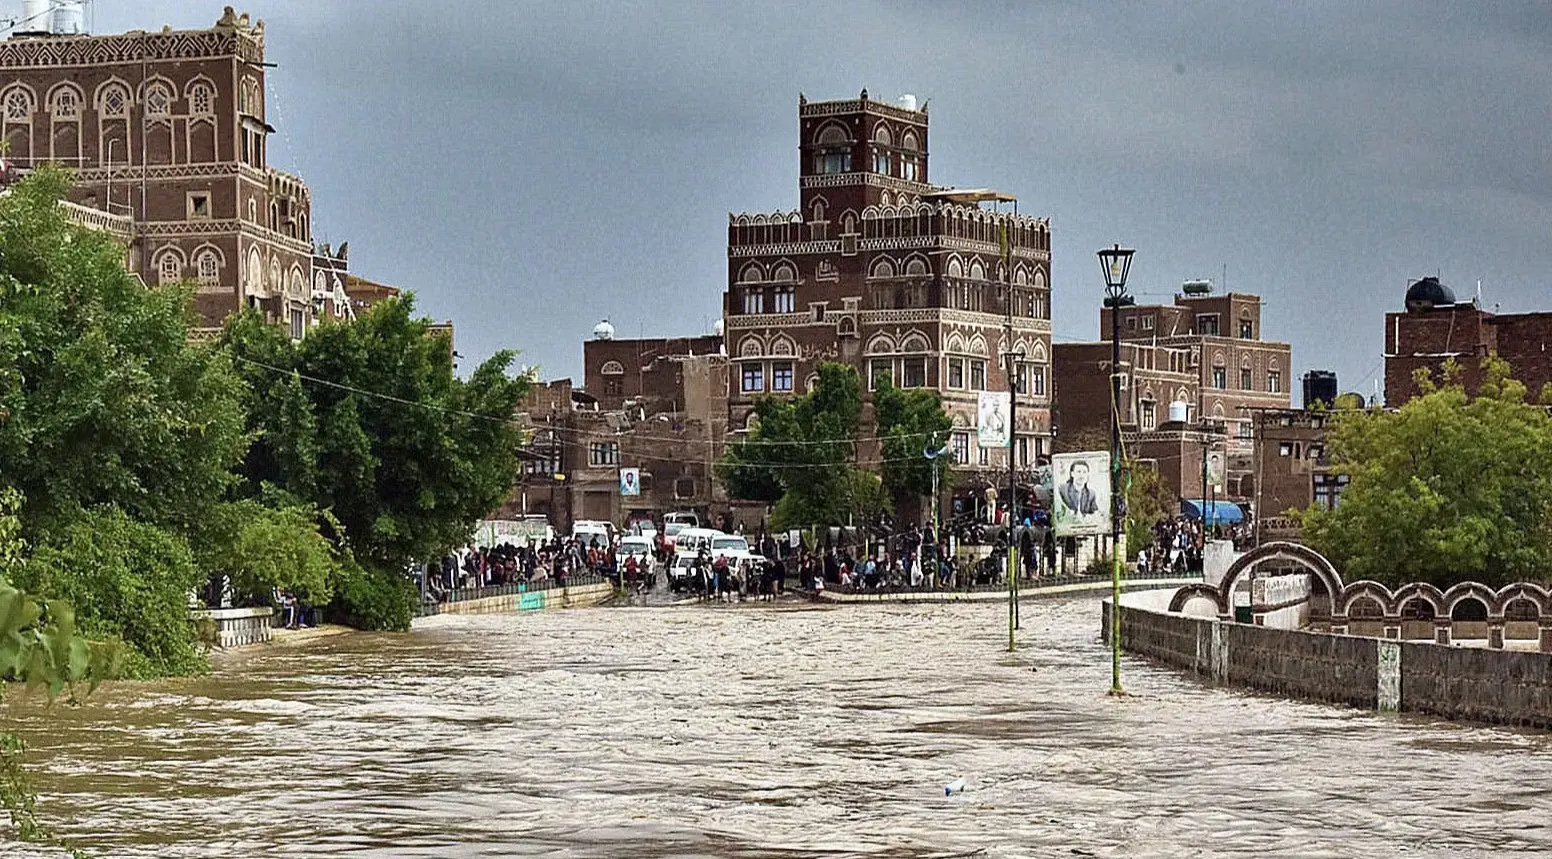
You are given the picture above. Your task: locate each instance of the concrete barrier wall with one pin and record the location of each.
(1504, 687)
(570, 597)
(235, 627)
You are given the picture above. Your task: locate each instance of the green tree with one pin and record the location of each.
(909, 423)
(1146, 503)
(806, 447)
(262, 548)
(366, 422)
(129, 582)
(103, 399)
(1447, 488)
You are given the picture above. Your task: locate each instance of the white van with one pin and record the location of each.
(691, 541)
(590, 532)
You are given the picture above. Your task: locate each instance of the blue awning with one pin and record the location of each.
(1218, 512)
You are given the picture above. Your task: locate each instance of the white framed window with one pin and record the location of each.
(169, 269)
(1220, 377)
(752, 378)
(781, 376)
(982, 455)
(201, 99)
(158, 101)
(600, 453)
(1244, 379)
(18, 105)
(754, 299)
(1037, 379)
(959, 443)
(298, 324)
(1274, 382)
(977, 374)
(1207, 324)
(198, 205)
(785, 297)
(1148, 414)
(913, 373)
(956, 373)
(1147, 323)
(67, 105)
(879, 370)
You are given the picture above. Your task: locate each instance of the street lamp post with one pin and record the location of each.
(1116, 262)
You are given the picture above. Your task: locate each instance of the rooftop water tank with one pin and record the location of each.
(37, 17)
(603, 331)
(69, 19)
(1179, 412)
(908, 101)
(1196, 287)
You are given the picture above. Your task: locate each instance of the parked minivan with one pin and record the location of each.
(691, 540)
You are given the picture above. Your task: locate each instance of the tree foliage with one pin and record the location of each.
(367, 422)
(1146, 504)
(103, 400)
(1447, 488)
(129, 582)
(910, 422)
(802, 453)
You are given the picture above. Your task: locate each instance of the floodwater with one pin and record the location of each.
(762, 731)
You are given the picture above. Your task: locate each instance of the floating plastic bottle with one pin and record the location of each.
(953, 787)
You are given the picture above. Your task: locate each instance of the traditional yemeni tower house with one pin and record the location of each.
(881, 269)
(169, 130)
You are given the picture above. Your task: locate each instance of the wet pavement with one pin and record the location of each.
(783, 730)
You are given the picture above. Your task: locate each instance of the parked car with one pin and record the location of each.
(673, 523)
(732, 547)
(641, 548)
(679, 572)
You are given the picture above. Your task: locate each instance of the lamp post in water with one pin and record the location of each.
(1116, 262)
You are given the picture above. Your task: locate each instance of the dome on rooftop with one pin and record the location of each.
(1428, 293)
(603, 331)
(716, 328)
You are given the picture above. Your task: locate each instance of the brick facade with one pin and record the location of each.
(882, 270)
(168, 128)
(1424, 337)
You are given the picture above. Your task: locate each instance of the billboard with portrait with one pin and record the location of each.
(991, 419)
(630, 481)
(1080, 500)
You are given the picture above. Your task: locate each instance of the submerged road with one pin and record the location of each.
(759, 731)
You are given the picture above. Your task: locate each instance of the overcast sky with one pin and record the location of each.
(529, 168)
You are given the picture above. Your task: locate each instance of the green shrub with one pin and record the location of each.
(129, 582)
(372, 599)
(263, 548)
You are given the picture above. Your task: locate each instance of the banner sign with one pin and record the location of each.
(630, 481)
(991, 419)
(1080, 504)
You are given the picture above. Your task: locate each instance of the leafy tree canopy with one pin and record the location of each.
(1448, 488)
(103, 400)
(366, 420)
(910, 422)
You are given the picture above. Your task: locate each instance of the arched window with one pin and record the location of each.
(158, 100)
(209, 267)
(882, 136)
(202, 99)
(113, 101)
(612, 368)
(19, 104)
(275, 282)
(254, 276)
(169, 267)
(833, 135)
(67, 103)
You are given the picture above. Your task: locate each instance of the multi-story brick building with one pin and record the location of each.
(881, 269)
(1235, 370)
(1436, 328)
(1293, 468)
(660, 406)
(1192, 374)
(168, 129)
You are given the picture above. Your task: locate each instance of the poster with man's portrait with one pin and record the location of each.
(991, 419)
(630, 481)
(1080, 497)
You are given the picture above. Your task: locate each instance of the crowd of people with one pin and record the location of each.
(508, 564)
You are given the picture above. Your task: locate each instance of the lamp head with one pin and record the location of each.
(1116, 262)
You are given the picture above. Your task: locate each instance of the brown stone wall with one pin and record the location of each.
(648, 369)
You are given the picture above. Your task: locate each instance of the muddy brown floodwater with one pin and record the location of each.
(762, 732)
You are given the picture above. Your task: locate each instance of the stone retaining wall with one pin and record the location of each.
(1505, 687)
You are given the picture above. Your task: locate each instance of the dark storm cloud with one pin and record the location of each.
(530, 168)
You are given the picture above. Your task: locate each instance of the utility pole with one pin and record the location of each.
(1012, 362)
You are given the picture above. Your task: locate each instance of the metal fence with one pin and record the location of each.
(429, 605)
(1025, 584)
